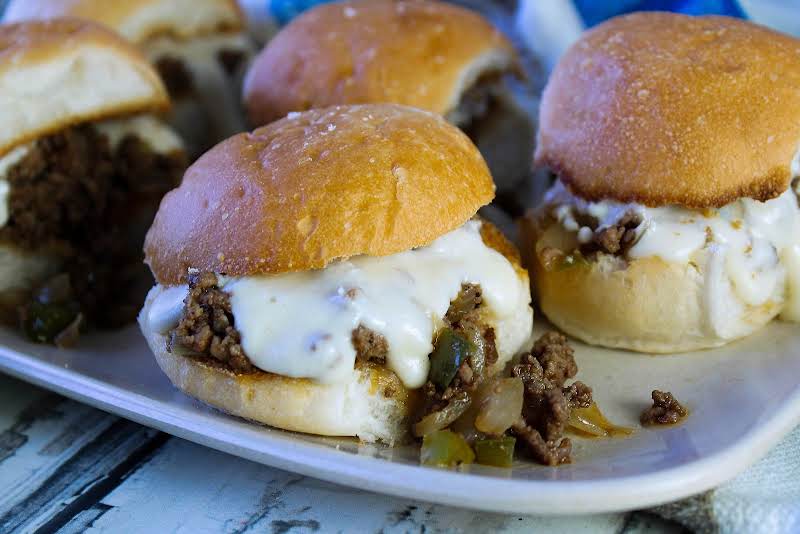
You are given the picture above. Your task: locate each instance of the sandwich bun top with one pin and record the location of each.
(660, 108)
(139, 20)
(65, 71)
(318, 186)
(422, 54)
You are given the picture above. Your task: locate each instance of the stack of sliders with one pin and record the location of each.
(326, 274)
(199, 48)
(430, 55)
(674, 224)
(83, 164)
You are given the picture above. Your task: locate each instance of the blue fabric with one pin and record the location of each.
(593, 11)
(286, 10)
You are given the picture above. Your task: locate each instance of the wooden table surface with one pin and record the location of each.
(67, 467)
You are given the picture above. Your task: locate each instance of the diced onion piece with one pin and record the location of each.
(441, 419)
(591, 421)
(501, 406)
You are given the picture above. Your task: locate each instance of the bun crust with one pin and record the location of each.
(315, 187)
(62, 72)
(660, 108)
(422, 54)
(650, 305)
(138, 20)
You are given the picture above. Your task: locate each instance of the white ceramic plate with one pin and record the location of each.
(742, 399)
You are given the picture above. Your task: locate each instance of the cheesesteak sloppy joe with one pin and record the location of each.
(674, 224)
(307, 270)
(199, 47)
(83, 164)
(426, 54)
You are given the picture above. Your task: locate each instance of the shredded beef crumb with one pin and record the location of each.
(578, 395)
(612, 240)
(369, 345)
(207, 326)
(176, 76)
(464, 306)
(546, 402)
(556, 357)
(555, 452)
(666, 410)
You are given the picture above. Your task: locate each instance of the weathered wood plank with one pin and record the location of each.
(15, 395)
(80, 481)
(84, 520)
(40, 440)
(192, 489)
(69, 468)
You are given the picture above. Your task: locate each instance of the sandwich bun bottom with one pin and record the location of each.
(649, 305)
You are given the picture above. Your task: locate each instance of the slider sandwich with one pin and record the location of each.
(430, 55)
(325, 272)
(674, 224)
(199, 47)
(84, 161)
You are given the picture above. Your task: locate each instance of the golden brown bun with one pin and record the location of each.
(374, 405)
(138, 20)
(645, 305)
(359, 407)
(318, 186)
(661, 108)
(63, 72)
(422, 54)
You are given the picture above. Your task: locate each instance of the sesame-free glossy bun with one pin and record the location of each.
(318, 186)
(66, 71)
(422, 54)
(660, 108)
(138, 20)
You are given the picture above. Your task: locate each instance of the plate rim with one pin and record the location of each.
(541, 497)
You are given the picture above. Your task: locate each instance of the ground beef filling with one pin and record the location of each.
(547, 401)
(666, 410)
(207, 326)
(90, 205)
(207, 329)
(176, 76)
(613, 241)
(464, 318)
(369, 345)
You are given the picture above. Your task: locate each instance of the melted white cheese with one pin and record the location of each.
(750, 248)
(300, 324)
(166, 310)
(158, 136)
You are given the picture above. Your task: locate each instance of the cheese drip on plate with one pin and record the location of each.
(749, 250)
(301, 324)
